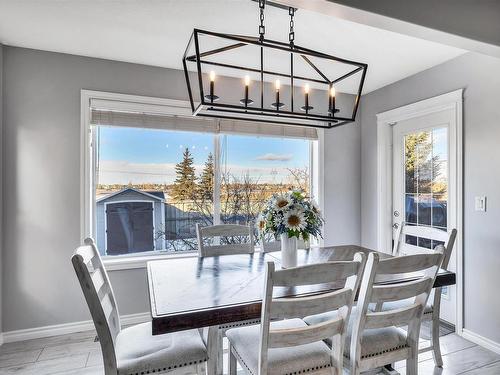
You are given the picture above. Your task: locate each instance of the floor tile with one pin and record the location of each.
(49, 367)
(19, 357)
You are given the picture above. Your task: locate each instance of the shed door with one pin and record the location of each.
(130, 227)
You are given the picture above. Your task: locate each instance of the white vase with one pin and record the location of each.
(288, 251)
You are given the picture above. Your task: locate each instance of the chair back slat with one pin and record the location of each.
(401, 291)
(287, 308)
(408, 263)
(429, 233)
(294, 337)
(224, 231)
(436, 235)
(395, 317)
(100, 299)
(298, 307)
(315, 274)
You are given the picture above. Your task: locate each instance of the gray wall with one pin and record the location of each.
(342, 184)
(478, 75)
(1, 179)
(42, 180)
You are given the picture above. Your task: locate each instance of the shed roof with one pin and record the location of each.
(158, 195)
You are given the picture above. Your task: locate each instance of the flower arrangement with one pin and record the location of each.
(293, 214)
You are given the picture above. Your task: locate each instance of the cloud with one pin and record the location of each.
(274, 157)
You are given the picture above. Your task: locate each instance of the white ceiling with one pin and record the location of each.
(156, 32)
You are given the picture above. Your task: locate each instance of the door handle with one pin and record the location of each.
(395, 225)
(396, 213)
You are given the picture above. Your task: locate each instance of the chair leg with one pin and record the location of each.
(213, 345)
(412, 362)
(232, 361)
(201, 369)
(436, 346)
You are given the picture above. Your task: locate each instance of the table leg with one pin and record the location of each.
(213, 346)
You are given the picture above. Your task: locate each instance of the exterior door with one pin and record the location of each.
(424, 190)
(129, 227)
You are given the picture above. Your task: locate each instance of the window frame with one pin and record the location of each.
(160, 106)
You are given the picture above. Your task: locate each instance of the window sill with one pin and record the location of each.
(120, 263)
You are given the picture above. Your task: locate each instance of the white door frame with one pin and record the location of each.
(385, 120)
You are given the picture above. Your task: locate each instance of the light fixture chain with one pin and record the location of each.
(262, 28)
(291, 35)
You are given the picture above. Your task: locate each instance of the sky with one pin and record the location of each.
(149, 156)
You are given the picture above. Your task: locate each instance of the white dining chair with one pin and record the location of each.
(239, 240)
(133, 350)
(374, 339)
(239, 237)
(283, 343)
(432, 309)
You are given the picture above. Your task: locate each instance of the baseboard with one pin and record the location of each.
(63, 329)
(482, 341)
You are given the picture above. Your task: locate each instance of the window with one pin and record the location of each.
(152, 178)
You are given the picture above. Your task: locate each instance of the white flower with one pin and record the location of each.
(295, 220)
(261, 223)
(281, 202)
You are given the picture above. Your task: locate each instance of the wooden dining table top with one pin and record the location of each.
(195, 292)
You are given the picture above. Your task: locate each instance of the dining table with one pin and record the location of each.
(198, 292)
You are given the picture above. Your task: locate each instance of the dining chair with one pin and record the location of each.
(230, 232)
(432, 309)
(133, 350)
(374, 339)
(283, 343)
(233, 234)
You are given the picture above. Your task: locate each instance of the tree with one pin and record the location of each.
(206, 184)
(422, 169)
(299, 178)
(184, 187)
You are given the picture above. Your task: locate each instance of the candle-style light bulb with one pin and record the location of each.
(246, 101)
(331, 106)
(212, 97)
(277, 104)
(306, 106)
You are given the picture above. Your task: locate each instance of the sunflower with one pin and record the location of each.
(295, 220)
(281, 202)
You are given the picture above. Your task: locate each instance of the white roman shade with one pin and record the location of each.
(178, 117)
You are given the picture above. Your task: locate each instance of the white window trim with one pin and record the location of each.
(141, 104)
(385, 121)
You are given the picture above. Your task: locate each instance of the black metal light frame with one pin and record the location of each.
(258, 112)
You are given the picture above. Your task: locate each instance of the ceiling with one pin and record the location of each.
(156, 32)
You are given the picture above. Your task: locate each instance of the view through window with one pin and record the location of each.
(154, 186)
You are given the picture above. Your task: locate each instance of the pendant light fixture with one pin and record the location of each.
(257, 79)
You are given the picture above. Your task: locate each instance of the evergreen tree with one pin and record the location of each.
(206, 186)
(185, 182)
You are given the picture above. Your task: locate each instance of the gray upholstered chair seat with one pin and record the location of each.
(377, 341)
(292, 360)
(139, 352)
(374, 341)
